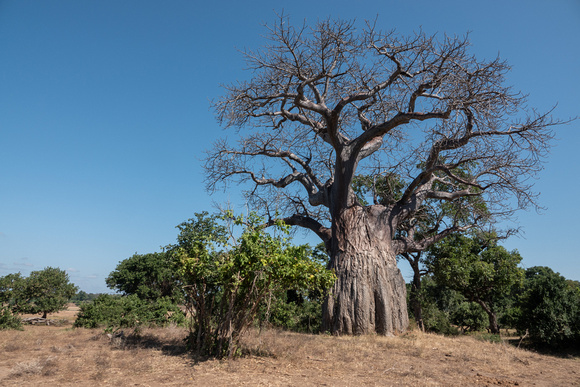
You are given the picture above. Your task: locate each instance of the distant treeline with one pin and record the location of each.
(83, 297)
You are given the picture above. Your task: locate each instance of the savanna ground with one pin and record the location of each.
(63, 356)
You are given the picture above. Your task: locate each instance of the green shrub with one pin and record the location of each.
(470, 317)
(550, 309)
(128, 312)
(437, 321)
(227, 288)
(438, 304)
(8, 320)
(290, 310)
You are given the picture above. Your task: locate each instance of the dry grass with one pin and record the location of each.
(62, 356)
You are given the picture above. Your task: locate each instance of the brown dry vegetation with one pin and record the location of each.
(62, 356)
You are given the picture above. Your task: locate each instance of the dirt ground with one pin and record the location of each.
(63, 356)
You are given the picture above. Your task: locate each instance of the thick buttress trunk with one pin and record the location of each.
(369, 295)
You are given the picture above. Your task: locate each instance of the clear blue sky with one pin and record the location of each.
(104, 115)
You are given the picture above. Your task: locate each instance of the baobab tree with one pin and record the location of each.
(327, 102)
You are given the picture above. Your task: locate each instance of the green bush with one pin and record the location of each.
(290, 310)
(437, 321)
(8, 320)
(227, 288)
(550, 309)
(470, 317)
(438, 304)
(128, 312)
(148, 276)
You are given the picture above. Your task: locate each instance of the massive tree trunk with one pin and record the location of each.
(369, 295)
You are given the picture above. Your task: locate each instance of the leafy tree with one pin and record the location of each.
(11, 291)
(478, 268)
(148, 276)
(226, 288)
(116, 311)
(44, 291)
(47, 291)
(8, 320)
(328, 101)
(550, 308)
(9, 285)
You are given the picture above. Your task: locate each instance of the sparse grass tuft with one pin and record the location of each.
(11, 347)
(490, 337)
(45, 366)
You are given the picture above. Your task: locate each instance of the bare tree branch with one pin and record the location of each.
(330, 100)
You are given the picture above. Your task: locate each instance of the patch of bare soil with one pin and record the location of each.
(62, 356)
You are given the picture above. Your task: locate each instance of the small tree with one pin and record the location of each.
(148, 276)
(10, 286)
(477, 268)
(226, 288)
(11, 289)
(45, 291)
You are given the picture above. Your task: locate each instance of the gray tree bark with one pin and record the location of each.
(369, 295)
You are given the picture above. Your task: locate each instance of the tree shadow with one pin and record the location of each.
(170, 346)
(562, 352)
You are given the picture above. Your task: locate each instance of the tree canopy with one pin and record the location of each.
(478, 268)
(549, 308)
(148, 276)
(44, 291)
